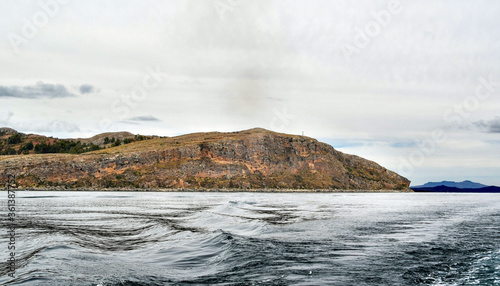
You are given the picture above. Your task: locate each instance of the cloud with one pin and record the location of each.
(39, 90)
(5, 118)
(137, 119)
(60, 126)
(86, 88)
(490, 126)
(45, 127)
(404, 144)
(144, 118)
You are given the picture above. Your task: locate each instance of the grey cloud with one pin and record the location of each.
(144, 118)
(86, 88)
(490, 126)
(39, 90)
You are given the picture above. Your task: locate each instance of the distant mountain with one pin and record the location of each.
(459, 185)
(445, 189)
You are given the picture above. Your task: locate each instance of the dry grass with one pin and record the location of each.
(189, 139)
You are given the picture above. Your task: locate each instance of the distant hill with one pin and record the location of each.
(99, 138)
(7, 131)
(445, 189)
(460, 185)
(13, 142)
(250, 159)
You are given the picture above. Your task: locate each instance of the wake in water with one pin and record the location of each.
(94, 238)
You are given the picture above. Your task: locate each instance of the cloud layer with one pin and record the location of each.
(39, 90)
(274, 64)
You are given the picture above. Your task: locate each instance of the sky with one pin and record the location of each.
(411, 85)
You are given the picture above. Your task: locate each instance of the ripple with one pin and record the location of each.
(254, 239)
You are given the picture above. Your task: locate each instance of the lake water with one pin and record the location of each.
(133, 238)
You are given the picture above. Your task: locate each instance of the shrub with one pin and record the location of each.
(9, 151)
(28, 146)
(14, 139)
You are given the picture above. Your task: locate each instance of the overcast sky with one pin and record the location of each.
(412, 85)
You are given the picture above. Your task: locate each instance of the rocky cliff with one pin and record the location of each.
(251, 159)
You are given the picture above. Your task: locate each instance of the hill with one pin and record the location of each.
(250, 159)
(460, 185)
(446, 189)
(16, 143)
(100, 139)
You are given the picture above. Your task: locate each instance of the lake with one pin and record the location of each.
(202, 238)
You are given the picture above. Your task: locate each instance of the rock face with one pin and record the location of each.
(251, 159)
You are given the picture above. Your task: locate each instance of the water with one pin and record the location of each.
(131, 238)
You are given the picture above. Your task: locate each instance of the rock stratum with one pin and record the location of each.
(251, 159)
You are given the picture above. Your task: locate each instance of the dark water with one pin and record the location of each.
(124, 238)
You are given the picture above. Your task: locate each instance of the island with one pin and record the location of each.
(255, 159)
(455, 187)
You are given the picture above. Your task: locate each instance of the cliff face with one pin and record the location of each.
(254, 159)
